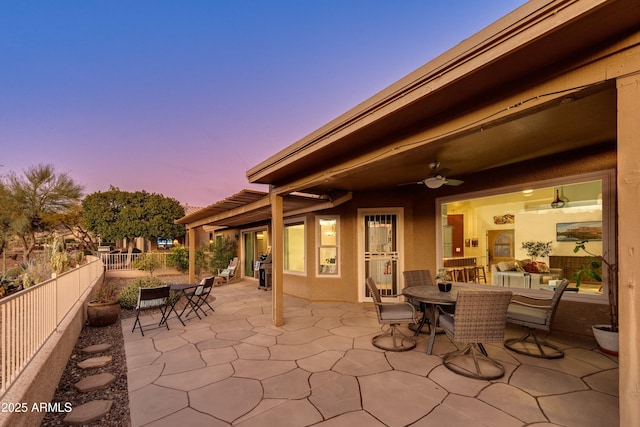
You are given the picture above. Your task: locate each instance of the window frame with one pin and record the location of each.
(320, 246)
(288, 223)
(608, 222)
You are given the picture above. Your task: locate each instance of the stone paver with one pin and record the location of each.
(95, 362)
(234, 367)
(94, 382)
(97, 348)
(88, 412)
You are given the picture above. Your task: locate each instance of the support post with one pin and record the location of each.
(192, 255)
(277, 255)
(628, 183)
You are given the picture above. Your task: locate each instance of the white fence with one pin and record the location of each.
(30, 317)
(123, 261)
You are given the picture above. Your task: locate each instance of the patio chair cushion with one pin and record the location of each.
(527, 314)
(396, 311)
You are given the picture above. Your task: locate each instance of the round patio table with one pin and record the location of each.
(431, 295)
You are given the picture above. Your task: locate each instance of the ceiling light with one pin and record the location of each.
(435, 182)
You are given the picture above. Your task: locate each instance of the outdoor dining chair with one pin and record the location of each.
(480, 317)
(535, 313)
(197, 297)
(152, 298)
(417, 278)
(392, 314)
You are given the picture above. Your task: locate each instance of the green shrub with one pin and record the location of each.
(179, 258)
(223, 250)
(147, 262)
(128, 297)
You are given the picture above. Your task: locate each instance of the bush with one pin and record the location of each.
(128, 297)
(147, 262)
(224, 250)
(179, 258)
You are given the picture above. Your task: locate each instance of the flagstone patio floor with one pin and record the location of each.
(234, 367)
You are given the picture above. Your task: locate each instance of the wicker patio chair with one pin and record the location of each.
(480, 317)
(392, 314)
(535, 313)
(417, 278)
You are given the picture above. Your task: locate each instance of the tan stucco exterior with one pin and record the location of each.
(551, 90)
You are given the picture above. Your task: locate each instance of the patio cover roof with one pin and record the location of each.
(250, 206)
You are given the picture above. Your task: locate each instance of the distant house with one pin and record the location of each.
(542, 103)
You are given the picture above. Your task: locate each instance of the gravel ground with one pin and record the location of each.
(117, 391)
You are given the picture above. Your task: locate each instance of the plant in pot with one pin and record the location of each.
(104, 308)
(606, 335)
(444, 280)
(536, 250)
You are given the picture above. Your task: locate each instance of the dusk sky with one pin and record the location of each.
(182, 97)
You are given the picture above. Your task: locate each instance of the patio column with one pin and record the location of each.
(277, 255)
(628, 183)
(192, 255)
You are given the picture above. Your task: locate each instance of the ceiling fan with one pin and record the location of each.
(438, 177)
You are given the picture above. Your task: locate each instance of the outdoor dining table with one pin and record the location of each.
(431, 295)
(181, 289)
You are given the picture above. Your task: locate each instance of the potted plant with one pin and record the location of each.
(537, 249)
(104, 308)
(606, 335)
(444, 280)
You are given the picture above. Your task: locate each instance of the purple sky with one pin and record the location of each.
(182, 97)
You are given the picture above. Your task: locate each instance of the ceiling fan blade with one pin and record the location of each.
(409, 183)
(453, 182)
(443, 171)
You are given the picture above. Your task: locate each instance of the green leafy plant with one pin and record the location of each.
(593, 269)
(147, 262)
(443, 275)
(223, 251)
(128, 296)
(179, 258)
(537, 249)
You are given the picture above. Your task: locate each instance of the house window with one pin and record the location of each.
(327, 245)
(561, 211)
(294, 245)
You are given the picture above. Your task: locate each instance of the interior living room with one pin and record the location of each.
(489, 228)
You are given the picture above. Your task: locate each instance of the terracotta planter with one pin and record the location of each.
(607, 340)
(103, 314)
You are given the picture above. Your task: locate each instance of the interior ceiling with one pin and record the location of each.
(568, 123)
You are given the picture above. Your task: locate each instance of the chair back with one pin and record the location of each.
(481, 316)
(205, 286)
(417, 278)
(375, 294)
(555, 300)
(153, 297)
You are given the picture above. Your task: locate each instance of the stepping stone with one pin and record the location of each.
(97, 348)
(95, 362)
(94, 382)
(88, 413)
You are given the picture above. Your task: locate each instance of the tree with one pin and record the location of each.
(6, 219)
(36, 197)
(116, 214)
(72, 221)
